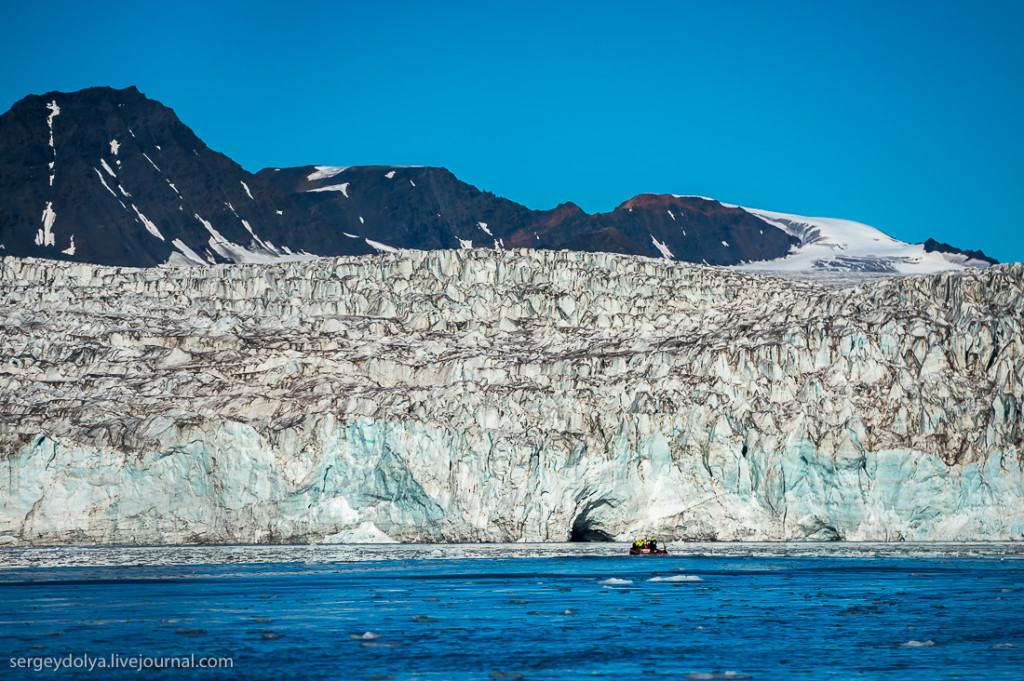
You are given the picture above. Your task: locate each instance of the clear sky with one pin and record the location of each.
(907, 116)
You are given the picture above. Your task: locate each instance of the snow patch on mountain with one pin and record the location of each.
(325, 172)
(383, 248)
(150, 227)
(343, 188)
(190, 256)
(45, 236)
(107, 186)
(155, 166)
(665, 252)
(238, 254)
(54, 112)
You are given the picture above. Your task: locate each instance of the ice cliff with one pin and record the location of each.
(503, 396)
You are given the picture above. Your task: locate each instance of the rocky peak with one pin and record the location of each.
(112, 177)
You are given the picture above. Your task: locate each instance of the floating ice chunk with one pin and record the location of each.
(465, 244)
(917, 644)
(70, 250)
(361, 220)
(615, 580)
(151, 162)
(448, 553)
(351, 236)
(665, 253)
(390, 175)
(672, 215)
(246, 188)
(726, 244)
(412, 183)
(107, 168)
(716, 675)
(114, 146)
(324, 172)
(676, 578)
(366, 636)
(483, 226)
(343, 188)
(44, 236)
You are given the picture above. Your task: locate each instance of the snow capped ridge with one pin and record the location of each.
(832, 244)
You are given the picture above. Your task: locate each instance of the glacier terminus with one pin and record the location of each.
(506, 396)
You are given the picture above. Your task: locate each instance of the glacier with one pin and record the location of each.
(505, 396)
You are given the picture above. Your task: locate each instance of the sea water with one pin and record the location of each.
(547, 611)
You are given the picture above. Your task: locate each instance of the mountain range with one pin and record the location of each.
(111, 177)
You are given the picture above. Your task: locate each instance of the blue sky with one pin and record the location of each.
(906, 116)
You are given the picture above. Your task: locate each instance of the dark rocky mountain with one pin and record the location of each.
(422, 208)
(933, 246)
(429, 208)
(110, 177)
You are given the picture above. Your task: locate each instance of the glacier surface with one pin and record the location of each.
(505, 396)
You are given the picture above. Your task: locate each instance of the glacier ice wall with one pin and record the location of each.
(505, 396)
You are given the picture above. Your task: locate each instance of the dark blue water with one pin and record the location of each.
(389, 613)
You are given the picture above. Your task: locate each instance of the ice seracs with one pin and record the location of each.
(516, 395)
